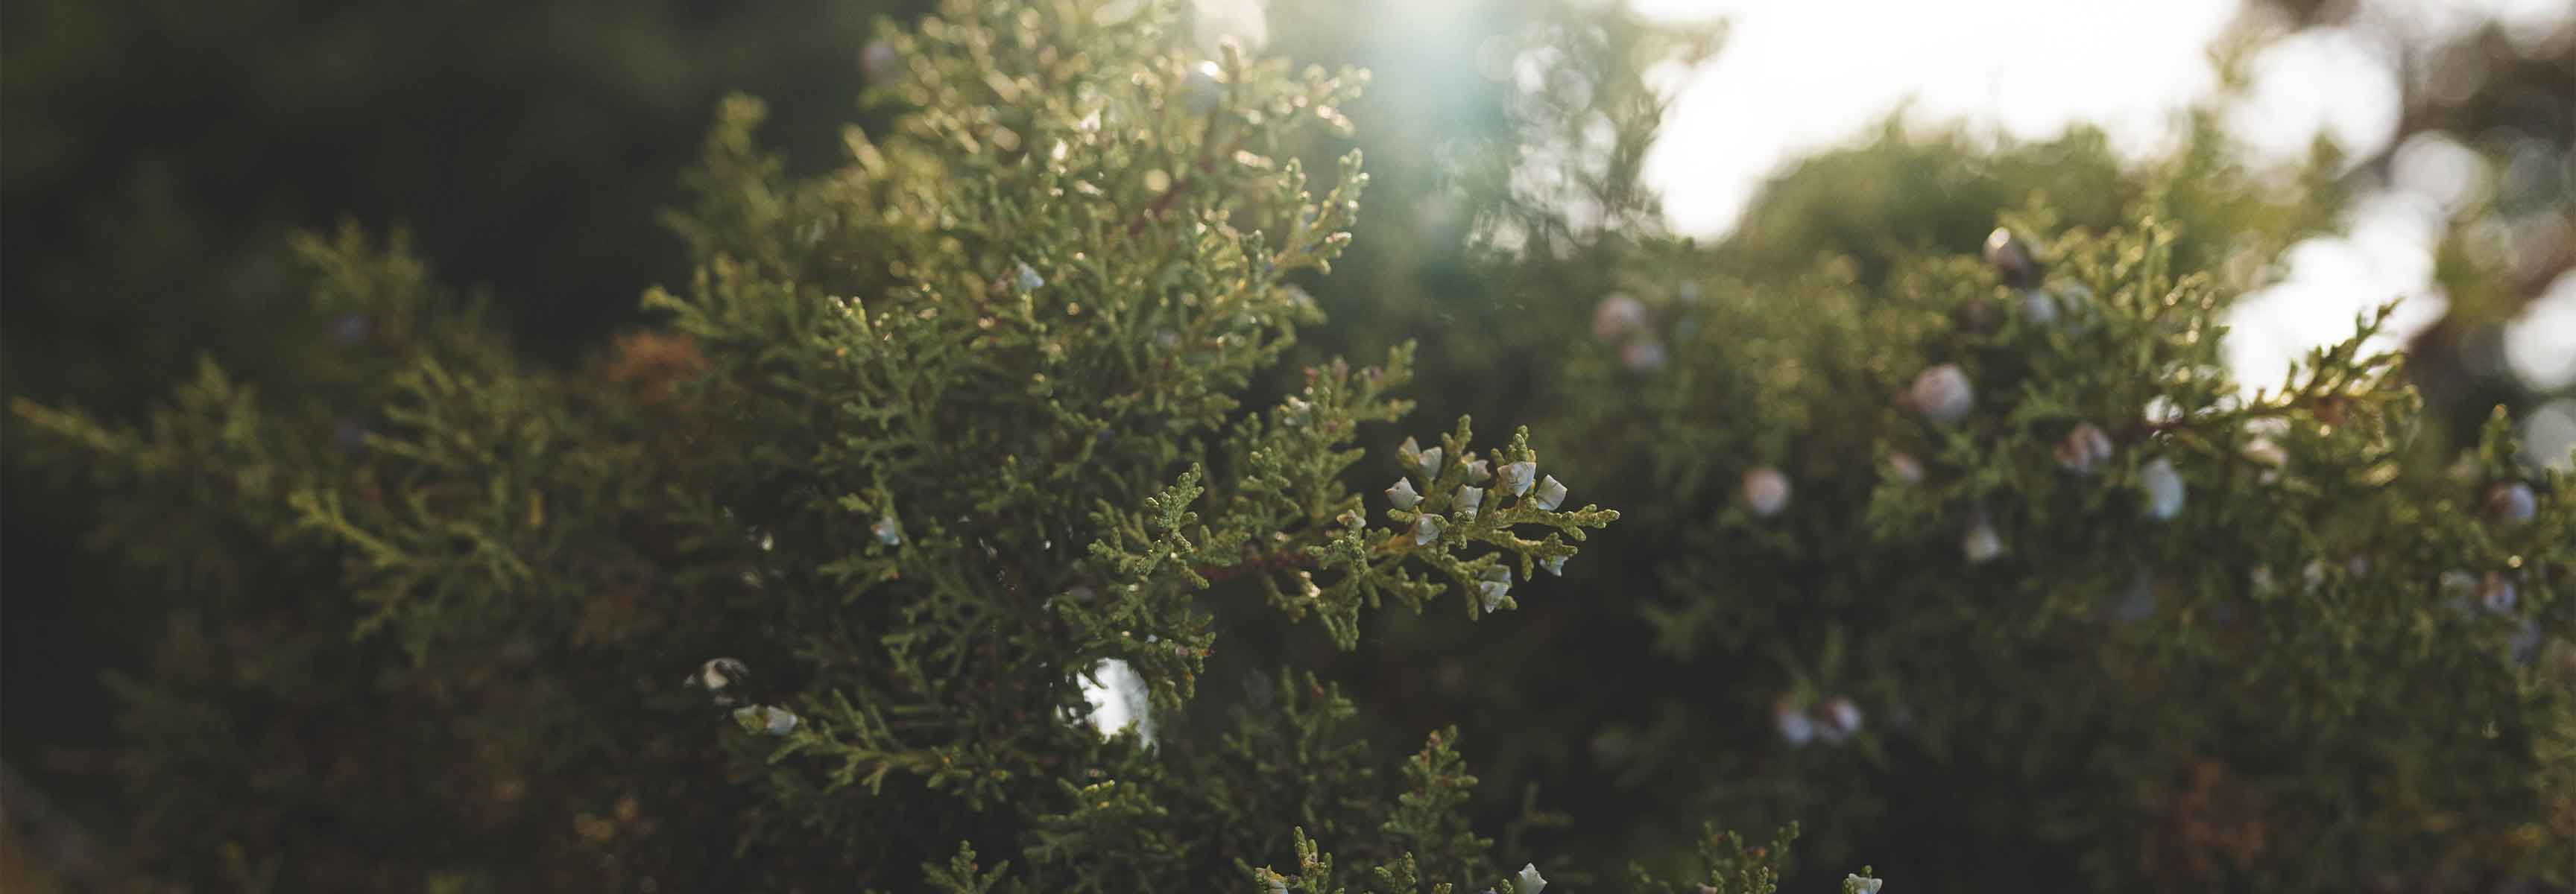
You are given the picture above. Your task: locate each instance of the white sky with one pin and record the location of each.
(1800, 75)
(1118, 699)
(1796, 76)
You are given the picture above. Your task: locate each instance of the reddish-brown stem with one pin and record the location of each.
(1258, 565)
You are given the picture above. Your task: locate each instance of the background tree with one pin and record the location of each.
(2501, 89)
(160, 155)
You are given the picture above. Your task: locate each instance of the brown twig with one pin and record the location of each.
(2328, 407)
(1199, 168)
(1261, 565)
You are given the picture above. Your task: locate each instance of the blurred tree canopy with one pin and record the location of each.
(160, 153)
(2506, 90)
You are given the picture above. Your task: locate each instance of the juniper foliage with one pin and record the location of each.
(1001, 413)
(2194, 635)
(927, 441)
(2101, 702)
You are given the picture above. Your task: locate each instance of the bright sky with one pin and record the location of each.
(1799, 76)
(1795, 77)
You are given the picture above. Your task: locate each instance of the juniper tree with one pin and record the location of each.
(1720, 383)
(823, 579)
(805, 583)
(1994, 542)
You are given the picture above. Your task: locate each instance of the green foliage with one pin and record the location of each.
(1733, 867)
(1427, 816)
(938, 444)
(2259, 662)
(962, 875)
(928, 439)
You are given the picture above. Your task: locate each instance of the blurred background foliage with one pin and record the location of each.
(159, 155)
(2469, 80)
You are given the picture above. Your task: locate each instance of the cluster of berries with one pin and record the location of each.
(1518, 479)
